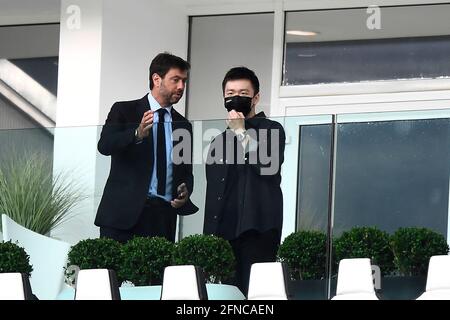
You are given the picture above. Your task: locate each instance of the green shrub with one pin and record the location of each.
(305, 254)
(413, 248)
(145, 258)
(212, 254)
(365, 242)
(14, 259)
(99, 253)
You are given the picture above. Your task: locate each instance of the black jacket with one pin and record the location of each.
(128, 183)
(260, 204)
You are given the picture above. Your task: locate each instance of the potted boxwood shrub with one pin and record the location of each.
(144, 260)
(305, 254)
(212, 254)
(412, 248)
(14, 259)
(94, 254)
(365, 242)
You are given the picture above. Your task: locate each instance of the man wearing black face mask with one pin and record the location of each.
(244, 203)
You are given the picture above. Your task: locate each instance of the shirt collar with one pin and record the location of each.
(254, 121)
(154, 105)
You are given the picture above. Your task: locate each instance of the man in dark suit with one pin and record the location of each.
(244, 203)
(146, 188)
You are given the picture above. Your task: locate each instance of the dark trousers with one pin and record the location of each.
(156, 220)
(252, 247)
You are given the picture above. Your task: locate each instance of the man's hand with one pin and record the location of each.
(183, 196)
(235, 121)
(146, 124)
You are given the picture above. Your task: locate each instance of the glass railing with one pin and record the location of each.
(383, 171)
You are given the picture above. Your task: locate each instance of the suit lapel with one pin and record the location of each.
(142, 106)
(147, 144)
(177, 123)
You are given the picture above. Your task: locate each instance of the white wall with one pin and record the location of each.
(219, 43)
(104, 61)
(134, 32)
(78, 110)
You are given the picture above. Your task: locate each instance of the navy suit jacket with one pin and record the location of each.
(128, 183)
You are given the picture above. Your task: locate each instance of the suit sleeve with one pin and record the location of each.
(274, 158)
(116, 135)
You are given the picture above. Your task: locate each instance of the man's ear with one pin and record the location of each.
(156, 80)
(256, 99)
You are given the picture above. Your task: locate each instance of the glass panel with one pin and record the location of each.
(334, 46)
(313, 161)
(391, 175)
(21, 141)
(206, 130)
(313, 177)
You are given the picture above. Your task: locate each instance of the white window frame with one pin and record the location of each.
(289, 182)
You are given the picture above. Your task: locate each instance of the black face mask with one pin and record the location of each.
(239, 103)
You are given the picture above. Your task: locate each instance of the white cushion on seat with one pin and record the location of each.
(11, 286)
(183, 283)
(96, 284)
(355, 280)
(438, 277)
(267, 282)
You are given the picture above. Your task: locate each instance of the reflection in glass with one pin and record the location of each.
(393, 174)
(313, 179)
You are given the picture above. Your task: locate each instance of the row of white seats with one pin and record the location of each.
(179, 283)
(354, 276)
(48, 257)
(355, 282)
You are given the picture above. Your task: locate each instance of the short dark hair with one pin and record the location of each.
(238, 73)
(165, 61)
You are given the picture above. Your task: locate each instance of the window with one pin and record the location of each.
(338, 46)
